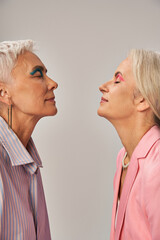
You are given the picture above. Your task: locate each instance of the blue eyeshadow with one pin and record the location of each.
(37, 70)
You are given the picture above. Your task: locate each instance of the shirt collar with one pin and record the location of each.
(19, 155)
(147, 141)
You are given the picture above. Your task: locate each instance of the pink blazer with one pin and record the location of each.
(139, 208)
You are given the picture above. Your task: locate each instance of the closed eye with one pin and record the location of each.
(37, 70)
(39, 76)
(119, 78)
(117, 82)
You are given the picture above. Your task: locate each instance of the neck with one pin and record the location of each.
(131, 133)
(22, 126)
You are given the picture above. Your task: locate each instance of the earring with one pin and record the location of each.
(10, 116)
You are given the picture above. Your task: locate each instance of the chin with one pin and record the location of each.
(100, 112)
(103, 114)
(54, 112)
(51, 112)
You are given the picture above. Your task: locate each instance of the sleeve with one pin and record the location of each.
(152, 196)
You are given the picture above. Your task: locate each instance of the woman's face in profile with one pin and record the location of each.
(117, 102)
(31, 89)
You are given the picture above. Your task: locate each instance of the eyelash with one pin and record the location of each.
(116, 81)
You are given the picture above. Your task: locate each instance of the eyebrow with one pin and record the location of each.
(120, 76)
(117, 74)
(38, 68)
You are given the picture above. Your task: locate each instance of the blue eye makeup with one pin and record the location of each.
(37, 70)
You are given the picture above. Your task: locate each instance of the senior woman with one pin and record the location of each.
(131, 102)
(26, 95)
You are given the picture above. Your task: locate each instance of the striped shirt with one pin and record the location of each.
(23, 213)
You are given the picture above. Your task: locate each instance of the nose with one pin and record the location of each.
(104, 87)
(52, 85)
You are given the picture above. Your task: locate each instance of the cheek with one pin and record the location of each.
(120, 100)
(37, 92)
(29, 94)
(123, 101)
(122, 95)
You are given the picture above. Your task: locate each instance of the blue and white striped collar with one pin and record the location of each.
(19, 155)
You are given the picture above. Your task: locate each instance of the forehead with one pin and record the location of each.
(26, 62)
(125, 67)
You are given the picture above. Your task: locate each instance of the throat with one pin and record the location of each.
(23, 131)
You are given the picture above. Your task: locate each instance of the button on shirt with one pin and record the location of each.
(23, 213)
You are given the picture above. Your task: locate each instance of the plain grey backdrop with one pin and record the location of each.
(81, 42)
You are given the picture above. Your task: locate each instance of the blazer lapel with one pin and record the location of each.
(129, 180)
(114, 209)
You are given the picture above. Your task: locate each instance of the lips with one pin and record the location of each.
(103, 100)
(50, 99)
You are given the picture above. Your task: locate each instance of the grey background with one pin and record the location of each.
(81, 42)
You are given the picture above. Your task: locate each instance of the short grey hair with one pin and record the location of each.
(9, 52)
(146, 69)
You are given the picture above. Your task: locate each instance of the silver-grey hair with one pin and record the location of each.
(146, 69)
(9, 52)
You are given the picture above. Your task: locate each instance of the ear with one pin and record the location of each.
(142, 104)
(4, 94)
